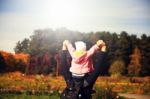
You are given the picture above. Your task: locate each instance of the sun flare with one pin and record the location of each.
(64, 11)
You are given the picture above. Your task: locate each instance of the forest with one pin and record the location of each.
(127, 55)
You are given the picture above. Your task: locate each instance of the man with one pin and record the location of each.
(81, 88)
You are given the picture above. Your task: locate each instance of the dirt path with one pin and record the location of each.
(135, 96)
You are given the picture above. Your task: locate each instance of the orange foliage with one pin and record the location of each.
(134, 67)
(19, 56)
(15, 61)
(22, 56)
(6, 55)
(8, 59)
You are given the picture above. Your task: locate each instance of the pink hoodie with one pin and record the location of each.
(83, 64)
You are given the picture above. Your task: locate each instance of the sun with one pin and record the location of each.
(64, 11)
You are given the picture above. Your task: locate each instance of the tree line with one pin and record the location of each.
(126, 54)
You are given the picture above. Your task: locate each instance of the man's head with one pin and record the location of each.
(80, 45)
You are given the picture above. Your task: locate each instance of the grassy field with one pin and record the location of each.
(22, 96)
(16, 85)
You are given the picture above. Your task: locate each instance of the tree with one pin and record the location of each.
(117, 68)
(119, 46)
(22, 47)
(57, 58)
(134, 41)
(18, 48)
(112, 47)
(144, 47)
(21, 62)
(124, 46)
(134, 68)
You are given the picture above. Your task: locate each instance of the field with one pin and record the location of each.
(15, 85)
(22, 96)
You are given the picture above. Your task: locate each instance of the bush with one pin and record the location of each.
(117, 68)
(13, 62)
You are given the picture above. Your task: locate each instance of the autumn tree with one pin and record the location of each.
(134, 68)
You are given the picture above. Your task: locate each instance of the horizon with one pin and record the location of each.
(18, 19)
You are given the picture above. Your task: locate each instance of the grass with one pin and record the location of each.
(19, 85)
(24, 96)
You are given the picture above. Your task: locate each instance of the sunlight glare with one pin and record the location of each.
(64, 11)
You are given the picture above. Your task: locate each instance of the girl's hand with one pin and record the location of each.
(100, 43)
(66, 42)
(65, 45)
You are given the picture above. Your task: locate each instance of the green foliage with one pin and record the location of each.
(144, 47)
(22, 47)
(117, 68)
(48, 40)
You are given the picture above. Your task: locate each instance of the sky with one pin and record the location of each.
(19, 18)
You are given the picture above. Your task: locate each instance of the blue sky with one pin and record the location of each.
(19, 18)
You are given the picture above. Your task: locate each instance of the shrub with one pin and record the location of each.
(117, 68)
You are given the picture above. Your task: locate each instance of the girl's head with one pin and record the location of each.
(80, 45)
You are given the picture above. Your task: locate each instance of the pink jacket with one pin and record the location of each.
(83, 64)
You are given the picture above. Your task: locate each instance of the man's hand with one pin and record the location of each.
(103, 49)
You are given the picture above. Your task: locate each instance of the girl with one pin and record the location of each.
(81, 76)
